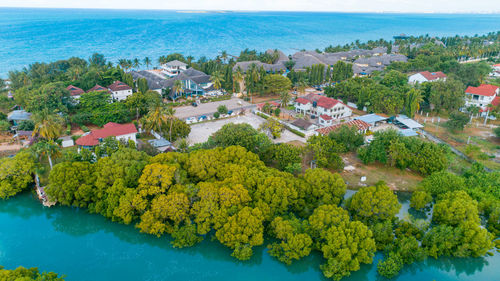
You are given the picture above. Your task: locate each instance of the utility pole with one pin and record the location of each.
(486, 117)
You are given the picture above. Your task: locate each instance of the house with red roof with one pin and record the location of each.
(496, 67)
(119, 90)
(121, 132)
(481, 96)
(98, 88)
(74, 91)
(426, 76)
(326, 109)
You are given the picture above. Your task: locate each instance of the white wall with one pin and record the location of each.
(417, 78)
(121, 95)
(127, 137)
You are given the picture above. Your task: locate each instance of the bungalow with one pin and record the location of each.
(156, 81)
(318, 105)
(173, 68)
(75, 92)
(119, 90)
(360, 125)
(426, 76)
(121, 132)
(481, 96)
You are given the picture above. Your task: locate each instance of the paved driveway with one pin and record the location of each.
(209, 108)
(201, 132)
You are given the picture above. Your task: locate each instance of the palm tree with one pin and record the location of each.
(136, 63)
(178, 87)
(147, 61)
(224, 56)
(217, 79)
(285, 98)
(49, 148)
(47, 126)
(413, 100)
(158, 119)
(237, 78)
(122, 63)
(189, 60)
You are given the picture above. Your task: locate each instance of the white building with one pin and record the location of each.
(480, 96)
(173, 68)
(327, 109)
(120, 91)
(426, 76)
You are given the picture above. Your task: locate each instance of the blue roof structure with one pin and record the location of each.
(371, 118)
(410, 123)
(18, 115)
(159, 142)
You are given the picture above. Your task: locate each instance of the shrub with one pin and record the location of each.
(216, 115)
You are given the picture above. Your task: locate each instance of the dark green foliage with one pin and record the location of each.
(390, 148)
(348, 136)
(28, 274)
(457, 121)
(26, 125)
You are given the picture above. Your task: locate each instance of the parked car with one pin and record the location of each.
(201, 118)
(194, 104)
(229, 112)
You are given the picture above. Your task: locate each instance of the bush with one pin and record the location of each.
(216, 115)
(68, 129)
(4, 125)
(277, 112)
(84, 128)
(26, 125)
(222, 109)
(497, 132)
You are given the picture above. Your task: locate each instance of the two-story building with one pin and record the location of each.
(480, 96)
(326, 109)
(426, 76)
(194, 82)
(173, 68)
(120, 91)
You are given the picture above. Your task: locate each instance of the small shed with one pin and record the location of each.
(407, 123)
(17, 116)
(302, 124)
(162, 144)
(67, 141)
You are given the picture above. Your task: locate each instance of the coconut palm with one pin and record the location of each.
(147, 61)
(189, 60)
(154, 120)
(136, 63)
(285, 98)
(49, 148)
(413, 100)
(178, 87)
(224, 56)
(237, 78)
(47, 126)
(122, 63)
(182, 145)
(217, 78)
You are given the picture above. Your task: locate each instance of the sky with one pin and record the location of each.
(413, 6)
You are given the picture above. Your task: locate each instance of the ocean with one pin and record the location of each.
(44, 35)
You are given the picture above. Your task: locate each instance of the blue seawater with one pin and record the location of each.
(34, 35)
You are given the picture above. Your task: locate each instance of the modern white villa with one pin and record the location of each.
(173, 68)
(426, 76)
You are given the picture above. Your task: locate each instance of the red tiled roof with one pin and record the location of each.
(110, 129)
(74, 91)
(361, 125)
(483, 90)
(432, 75)
(271, 103)
(302, 101)
(119, 86)
(327, 102)
(497, 65)
(496, 101)
(325, 117)
(97, 88)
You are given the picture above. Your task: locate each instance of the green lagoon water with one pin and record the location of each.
(89, 247)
